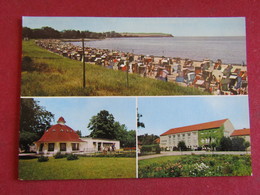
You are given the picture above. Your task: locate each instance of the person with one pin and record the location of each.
(113, 147)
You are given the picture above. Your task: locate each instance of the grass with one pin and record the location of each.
(83, 168)
(195, 166)
(59, 76)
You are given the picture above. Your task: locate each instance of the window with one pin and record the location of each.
(41, 147)
(75, 146)
(62, 146)
(51, 147)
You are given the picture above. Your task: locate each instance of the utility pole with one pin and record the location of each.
(84, 66)
(127, 68)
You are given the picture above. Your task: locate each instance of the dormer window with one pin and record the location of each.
(53, 130)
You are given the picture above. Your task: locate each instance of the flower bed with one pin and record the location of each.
(196, 166)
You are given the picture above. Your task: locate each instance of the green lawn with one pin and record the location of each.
(54, 75)
(195, 166)
(83, 168)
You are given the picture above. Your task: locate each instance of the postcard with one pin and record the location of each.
(118, 97)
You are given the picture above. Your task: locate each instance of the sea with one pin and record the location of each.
(231, 50)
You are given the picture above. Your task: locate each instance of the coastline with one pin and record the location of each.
(214, 77)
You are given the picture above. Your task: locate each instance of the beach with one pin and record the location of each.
(211, 76)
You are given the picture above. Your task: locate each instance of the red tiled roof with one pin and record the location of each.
(60, 132)
(157, 140)
(197, 127)
(61, 120)
(241, 132)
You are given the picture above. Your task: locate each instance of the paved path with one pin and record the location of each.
(189, 153)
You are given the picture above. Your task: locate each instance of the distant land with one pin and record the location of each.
(146, 35)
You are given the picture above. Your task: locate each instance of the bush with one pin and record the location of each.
(59, 155)
(43, 159)
(175, 148)
(151, 149)
(238, 144)
(27, 63)
(157, 149)
(182, 146)
(146, 148)
(72, 157)
(225, 144)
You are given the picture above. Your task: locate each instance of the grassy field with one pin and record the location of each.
(54, 75)
(195, 166)
(83, 168)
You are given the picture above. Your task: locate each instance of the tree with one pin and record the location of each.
(147, 139)
(79, 133)
(126, 138)
(182, 146)
(225, 144)
(102, 125)
(247, 144)
(34, 120)
(27, 32)
(140, 124)
(238, 144)
(131, 139)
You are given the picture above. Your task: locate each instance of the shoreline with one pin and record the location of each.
(214, 77)
(198, 60)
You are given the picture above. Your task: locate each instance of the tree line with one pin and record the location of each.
(50, 33)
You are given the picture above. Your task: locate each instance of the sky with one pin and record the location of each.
(221, 26)
(161, 114)
(77, 112)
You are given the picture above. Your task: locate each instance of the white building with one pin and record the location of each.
(62, 138)
(198, 135)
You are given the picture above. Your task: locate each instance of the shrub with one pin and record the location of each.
(175, 148)
(182, 146)
(27, 63)
(225, 144)
(59, 155)
(157, 149)
(43, 159)
(72, 157)
(146, 148)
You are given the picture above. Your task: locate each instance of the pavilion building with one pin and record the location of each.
(62, 138)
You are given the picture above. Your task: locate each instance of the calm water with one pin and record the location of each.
(228, 49)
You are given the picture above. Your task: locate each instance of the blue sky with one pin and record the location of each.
(228, 26)
(78, 111)
(162, 114)
(159, 113)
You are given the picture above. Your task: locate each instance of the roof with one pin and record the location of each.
(61, 120)
(197, 127)
(157, 140)
(60, 132)
(240, 132)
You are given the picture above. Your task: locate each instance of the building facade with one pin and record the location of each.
(243, 133)
(62, 138)
(199, 135)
